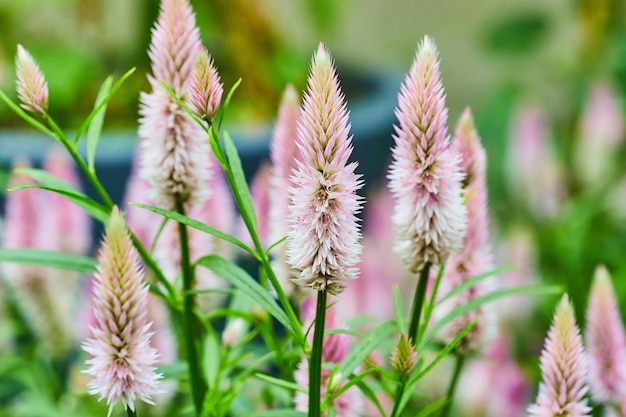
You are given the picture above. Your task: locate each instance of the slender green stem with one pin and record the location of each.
(131, 413)
(399, 394)
(199, 385)
(418, 302)
(91, 176)
(150, 263)
(460, 360)
(428, 310)
(315, 364)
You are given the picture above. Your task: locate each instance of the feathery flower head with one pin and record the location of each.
(403, 357)
(174, 150)
(32, 88)
(323, 242)
(425, 175)
(606, 341)
(122, 361)
(563, 368)
(283, 152)
(467, 144)
(205, 89)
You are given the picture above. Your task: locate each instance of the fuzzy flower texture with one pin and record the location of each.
(563, 368)
(425, 175)
(323, 243)
(32, 88)
(122, 363)
(174, 150)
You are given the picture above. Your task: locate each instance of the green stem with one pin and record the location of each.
(428, 310)
(91, 176)
(199, 385)
(460, 359)
(150, 263)
(418, 302)
(131, 413)
(399, 394)
(315, 364)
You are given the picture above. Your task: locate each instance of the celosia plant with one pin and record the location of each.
(198, 317)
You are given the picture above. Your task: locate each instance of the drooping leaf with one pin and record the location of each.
(95, 127)
(49, 259)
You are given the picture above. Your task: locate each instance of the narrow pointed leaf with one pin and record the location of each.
(477, 302)
(240, 186)
(91, 207)
(465, 285)
(399, 310)
(292, 386)
(277, 413)
(365, 346)
(242, 280)
(95, 127)
(224, 107)
(49, 259)
(83, 127)
(196, 225)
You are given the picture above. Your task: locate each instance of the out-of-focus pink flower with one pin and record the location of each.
(534, 171)
(335, 347)
(205, 89)
(606, 342)
(218, 212)
(323, 243)
(495, 386)
(563, 369)
(425, 175)
(32, 88)
(143, 223)
(122, 360)
(46, 306)
(601, 131)
(475, 257)
(66, 226)
(174, 150)
(283, 153)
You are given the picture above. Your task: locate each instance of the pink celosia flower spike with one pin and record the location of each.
(205, 89)
(475, 257)
(563, 368)
(606, 342)
(174, 149)
(283, 152)
(32, 88)
(425, 176)
(323, 243)
(122, 362)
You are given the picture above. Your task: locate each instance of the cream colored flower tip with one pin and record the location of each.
(32, 88)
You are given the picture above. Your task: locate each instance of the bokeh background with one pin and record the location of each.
(546, 81)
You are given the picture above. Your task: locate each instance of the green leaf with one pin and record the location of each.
(224, 107)
(242, 280)
(183, 105)
(196, 225)
(292, 386)
(85, 125)
(399, 309)
(432, 407)
(240, 186)
(49, 259)
(174, 370)
(364, 347)
(371, 395)
(477, 302)
(91, 207)
(465, 285)
(24, 115)
(95, 127)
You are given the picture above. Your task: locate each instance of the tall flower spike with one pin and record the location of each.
(32, 88)
(323, 242)
(606, 342)
(425, 175)
(283, 152)
(174, 149)
(205, 89)
(475, 257)
(122, 361)
(563, 368)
